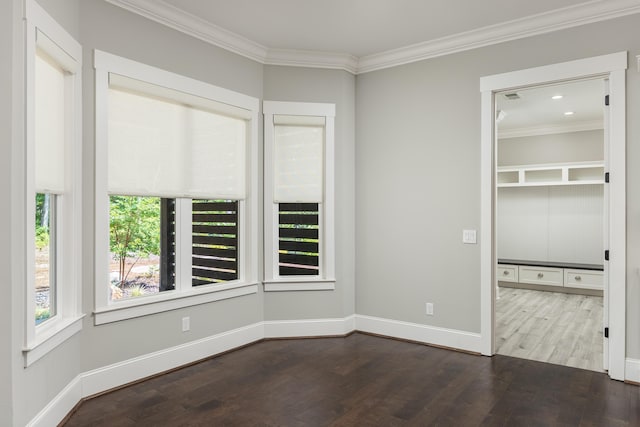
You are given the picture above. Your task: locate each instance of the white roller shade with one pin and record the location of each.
(162, 147)
(298, 159)
(49, 134)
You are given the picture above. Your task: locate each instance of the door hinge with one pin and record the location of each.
(606, 332)
(606, 255)
(606, 177)
(606, 100)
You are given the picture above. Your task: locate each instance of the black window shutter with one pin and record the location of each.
(298, 239)
(215, 241)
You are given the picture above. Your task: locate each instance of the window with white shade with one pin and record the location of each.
(175, 184)
(299, 225)
(53, 184)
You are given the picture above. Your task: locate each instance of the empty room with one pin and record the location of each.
(320, 213)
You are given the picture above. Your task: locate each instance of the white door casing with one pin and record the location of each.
(611, 67)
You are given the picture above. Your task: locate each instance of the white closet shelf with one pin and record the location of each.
(581, 173)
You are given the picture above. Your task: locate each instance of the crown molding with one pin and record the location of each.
(550, 129)
(568, 17)
(542, 23)
(172, 17)
(314, 59)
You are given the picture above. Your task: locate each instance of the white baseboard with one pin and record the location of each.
(632, 370)
(451, 338)
(308, 328)
(115, 375)
(119, 374)
(60, 406)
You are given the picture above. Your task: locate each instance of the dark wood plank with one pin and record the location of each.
(363, 380)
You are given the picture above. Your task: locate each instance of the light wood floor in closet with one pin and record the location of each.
(552, 327)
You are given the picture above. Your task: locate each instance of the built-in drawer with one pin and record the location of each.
(583, 279)
(541, 275)
(507, 273)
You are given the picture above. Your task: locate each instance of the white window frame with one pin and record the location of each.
(184, 295)
(67, 321)
(326, 278)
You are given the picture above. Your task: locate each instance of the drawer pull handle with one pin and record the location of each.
(540, 275)
(578, 278)
(506, 272)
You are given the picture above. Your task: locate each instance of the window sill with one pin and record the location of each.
(299, 285)
(50, 337)
(170, 300)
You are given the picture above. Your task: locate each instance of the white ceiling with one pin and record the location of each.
(366, 35)
(358, 27)
(536, 113)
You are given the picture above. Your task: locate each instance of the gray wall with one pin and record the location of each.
(555, 148)
(317, 85)
(66, 13)
(7, 21)
(418, 173)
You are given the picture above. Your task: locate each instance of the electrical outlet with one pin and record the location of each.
(429, 309)
(186, 324)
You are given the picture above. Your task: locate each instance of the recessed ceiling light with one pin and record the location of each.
(556, 97)
(568, 113)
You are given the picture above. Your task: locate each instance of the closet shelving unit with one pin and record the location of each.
(559, 275)
(581, 173)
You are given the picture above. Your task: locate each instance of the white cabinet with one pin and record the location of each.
(551, 174)
(560, 276)
(541, 275)
(507, 273)
(583, 279)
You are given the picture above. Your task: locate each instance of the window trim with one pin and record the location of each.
(67, 53)
(106, 311)
(326, 278)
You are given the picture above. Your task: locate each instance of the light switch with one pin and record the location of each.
(469, 236)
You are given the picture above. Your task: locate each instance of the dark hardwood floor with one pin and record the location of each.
(363, 380)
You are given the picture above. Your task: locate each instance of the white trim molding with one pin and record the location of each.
(51, 338)
(173, 17)
(60, 406)
(309, 327)
(118, 374)
(632, 370)
(450, 338)
(312, 59)
(611, 67)
(307, 285)
(551, 129)
(547, 22)
(159, 303)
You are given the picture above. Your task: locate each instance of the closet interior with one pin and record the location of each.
(550, 222)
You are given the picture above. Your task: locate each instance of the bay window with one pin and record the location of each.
(175, 190)
(53, 184)
(299, 225)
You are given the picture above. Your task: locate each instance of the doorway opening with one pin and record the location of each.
(550, 223)
(612, 69)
